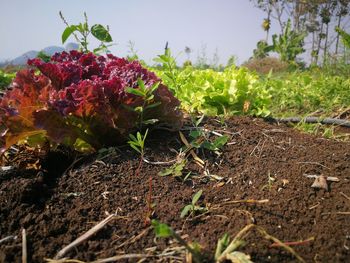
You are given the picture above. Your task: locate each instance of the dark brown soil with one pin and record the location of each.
(55, 209)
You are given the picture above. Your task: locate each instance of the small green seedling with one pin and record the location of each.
(169, 68)
(163, 230)
(138, 142)
(175, 170)
(200, 138)
(227, 250)
(148, 97)
(192, 208)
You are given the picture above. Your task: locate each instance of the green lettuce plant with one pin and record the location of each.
(233, 91)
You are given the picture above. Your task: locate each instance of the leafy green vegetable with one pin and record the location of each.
(80, 97)
(233, 91)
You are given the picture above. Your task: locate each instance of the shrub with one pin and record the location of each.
(81, 100)
(264, 65)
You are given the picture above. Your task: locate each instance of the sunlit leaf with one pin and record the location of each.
(101, 33)
(162, 230)
(186, 210)
(196, 197)
(67, 32)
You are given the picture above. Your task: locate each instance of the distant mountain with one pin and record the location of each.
(72, 46)
(21, 60)
(50, 50)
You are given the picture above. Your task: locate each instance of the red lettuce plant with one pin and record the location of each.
(81, 100)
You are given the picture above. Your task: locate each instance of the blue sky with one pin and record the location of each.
(231, 26)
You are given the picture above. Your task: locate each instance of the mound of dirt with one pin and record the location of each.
(263, 176)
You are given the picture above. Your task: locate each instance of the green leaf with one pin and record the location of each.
(164, 58)
(175, 169)
(345, 36)
(139, 109)
(151, 97)
(67, 32)
(150, 121)
(162, 230)
(99, 49)
(145, 135)
(139, 137)
(186, 210)
(154, 87)
(196, 145)
(209, 146)
(153, 105)
(196, 197)
(101, 33)
(141, 84)
(136, 92)
(195, 134)
(222, 245)
(80, 28)
(167, 171)
(82, 146)
(135, 147)
(220, 141)
(132, 137)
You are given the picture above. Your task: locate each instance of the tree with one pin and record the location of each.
(289, 44)
(318, 18)
(342, 11)
(188, 52)
(262, 49)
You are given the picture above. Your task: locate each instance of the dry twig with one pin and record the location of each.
(85, 236)
(8, 238)
(294, 243)
(347, 197)
(249, 201)
(160, 163)
(198, 160)
(134, 238)
(315, 163)
(120, 257)
(280, 243)
(336, 213)
(63, 260)
(24, 246)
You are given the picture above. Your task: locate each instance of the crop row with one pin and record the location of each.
(239, 91)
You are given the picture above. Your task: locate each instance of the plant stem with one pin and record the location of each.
(149, 202)
(66, 23)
